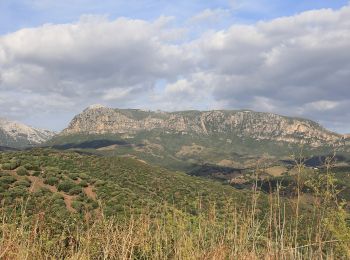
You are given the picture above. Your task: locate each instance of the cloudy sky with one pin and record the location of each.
(289, 57)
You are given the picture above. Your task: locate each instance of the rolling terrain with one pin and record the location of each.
(99, 188)
(189, 140)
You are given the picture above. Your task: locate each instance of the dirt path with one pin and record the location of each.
(38, 183)
(68, 200)
(89, 192)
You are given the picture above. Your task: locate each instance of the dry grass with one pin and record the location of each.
(279, 231)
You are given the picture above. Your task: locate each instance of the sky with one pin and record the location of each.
(287, 57)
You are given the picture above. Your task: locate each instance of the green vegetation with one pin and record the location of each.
(74, 206)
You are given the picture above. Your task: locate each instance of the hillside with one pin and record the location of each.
(74, 183)
(190, 139)
(65, 205)
(18, 135)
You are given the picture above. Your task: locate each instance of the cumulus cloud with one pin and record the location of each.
(88, 57)
(298, 65)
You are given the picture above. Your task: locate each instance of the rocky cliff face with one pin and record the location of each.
(260, 126)
(17, 135)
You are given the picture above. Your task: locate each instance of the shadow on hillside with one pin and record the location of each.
(95, 144)
(5, 148)
(215, 171)
(317, 161)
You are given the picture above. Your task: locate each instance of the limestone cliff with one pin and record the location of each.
(98, 119)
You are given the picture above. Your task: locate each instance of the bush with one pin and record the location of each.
(78, 206)
(57, 196)
(24, 183)
(7, 179)
(22, 171)
(32, 166)
(66, 186)
(36, 173)
(10, 166)
(51, 181)
(4, 186)
(75, 190)
(18, 191)
(84, 176)
(83, 183)
(73, 176)
(99, 183)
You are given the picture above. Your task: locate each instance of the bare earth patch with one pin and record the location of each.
(90, 192)
(187, 150)
(276, 170)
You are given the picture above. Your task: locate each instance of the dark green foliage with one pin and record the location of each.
(18, 191)
(75, 190)
(73, 176)
(12, 165)
(22, 171)
(119, 183)
(34, 166)
(51, 181)
(24, 183)
(78, 206)
(83, 183)
(7, 179)
(36, 173)
(66, 185)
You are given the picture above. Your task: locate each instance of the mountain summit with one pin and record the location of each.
(17, 135)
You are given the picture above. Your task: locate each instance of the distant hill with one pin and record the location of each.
(186, 140)
(17, 135)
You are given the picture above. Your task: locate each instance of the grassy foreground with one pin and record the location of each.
(129, 216)
(166, 233)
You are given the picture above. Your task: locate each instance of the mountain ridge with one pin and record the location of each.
(18, 135)
(98, 119)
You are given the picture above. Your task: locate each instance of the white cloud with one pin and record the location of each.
(298, 65)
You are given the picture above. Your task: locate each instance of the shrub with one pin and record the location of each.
(84, 176)
(75, 190)
(7, 179)
(73, 176)
(83, 183)
(4, 186)
(18, 191)
(24, 183)
(32, 166)
(99, 183)
(22, 171)
(78, 206)
(36, 173)
(51, 181)
(10, 166)
(57, 196)
(66, 185)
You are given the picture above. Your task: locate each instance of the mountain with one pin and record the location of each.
(98, 119)
(17, 135)
(186, 140)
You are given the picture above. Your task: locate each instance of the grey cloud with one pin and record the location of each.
(94, 52)
(288, 65)
(297, 65)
